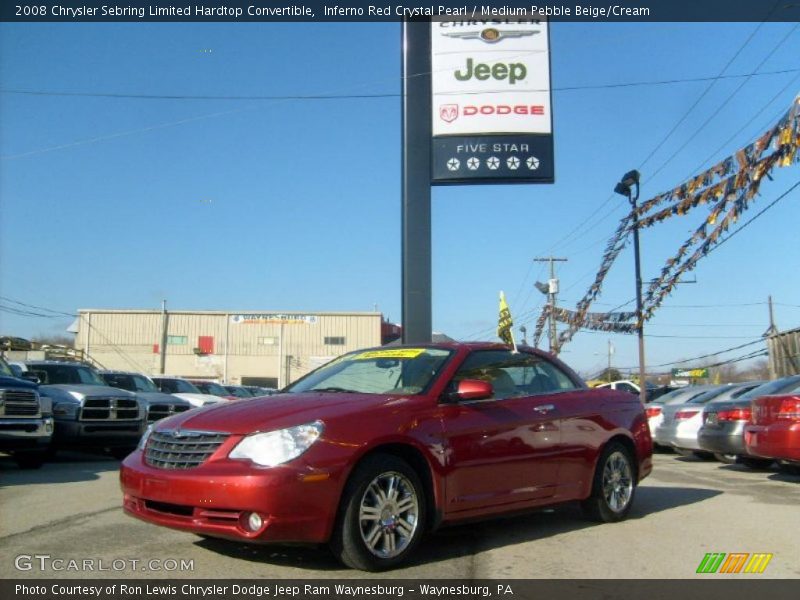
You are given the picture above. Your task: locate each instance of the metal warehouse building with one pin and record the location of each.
(267, 349)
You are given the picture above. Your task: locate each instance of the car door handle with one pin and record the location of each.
(544, 408)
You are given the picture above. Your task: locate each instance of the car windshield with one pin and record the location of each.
(708, 396)
(396, 371)
(239, 392)
(209, 387)
(132, 383)
(55, 374)
(778, 386)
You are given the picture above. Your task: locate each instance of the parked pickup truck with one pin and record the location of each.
(159, 404)
(26, 420)
(87, 412)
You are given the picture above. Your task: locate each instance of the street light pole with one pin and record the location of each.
(624, 188)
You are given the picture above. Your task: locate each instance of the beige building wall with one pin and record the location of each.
(223, 346)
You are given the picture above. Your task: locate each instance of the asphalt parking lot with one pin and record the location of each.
(70, 509)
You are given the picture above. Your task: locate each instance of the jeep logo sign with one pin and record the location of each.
(490, 85)
(513, 72)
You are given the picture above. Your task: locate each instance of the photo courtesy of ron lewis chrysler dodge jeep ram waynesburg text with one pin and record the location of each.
(374, 448)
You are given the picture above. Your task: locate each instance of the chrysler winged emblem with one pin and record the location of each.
(490, 35)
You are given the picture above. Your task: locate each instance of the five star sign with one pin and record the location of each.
(512, 162)
(493, 163)
(532, 162)
(473, 163)
(453, 164)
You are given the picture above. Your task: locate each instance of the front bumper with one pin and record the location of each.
(19, 434)
(780, 440)
(296, 503)
(98, 434)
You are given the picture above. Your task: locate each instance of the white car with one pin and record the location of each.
(185, 390)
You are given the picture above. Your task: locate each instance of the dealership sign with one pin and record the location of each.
(274, 319)
(690, 373)
(492, 116)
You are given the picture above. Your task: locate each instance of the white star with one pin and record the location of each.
(453, 164)
(493, 163)
(473, 163)
(532, 162)
(513, 163)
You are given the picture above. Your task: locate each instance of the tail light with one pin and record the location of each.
(734, 414)
(685, 414)
(653, 411)
(790, 408)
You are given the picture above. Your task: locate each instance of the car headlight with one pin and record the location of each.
(145, 437)
(277, 447)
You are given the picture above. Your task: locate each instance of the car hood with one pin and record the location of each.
(278, 411)
(63, 392)
(13, 382)
(159, 398)
(202, 398)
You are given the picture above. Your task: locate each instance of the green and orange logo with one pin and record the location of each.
(735, 562)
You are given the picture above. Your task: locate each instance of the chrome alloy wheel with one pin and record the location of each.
(617, 482)
(388, 514)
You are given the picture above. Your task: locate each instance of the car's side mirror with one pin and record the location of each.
(473, 389)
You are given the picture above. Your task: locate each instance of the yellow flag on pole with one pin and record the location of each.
(505, 323)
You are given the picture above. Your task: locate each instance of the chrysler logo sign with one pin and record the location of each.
(490, 35)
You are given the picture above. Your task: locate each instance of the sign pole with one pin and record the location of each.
(416, 185)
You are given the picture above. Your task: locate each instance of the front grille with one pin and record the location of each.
(156, 412)
(109, 409)
(20, 403)
(181, 450)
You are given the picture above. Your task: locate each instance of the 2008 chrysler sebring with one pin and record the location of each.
(378, 446)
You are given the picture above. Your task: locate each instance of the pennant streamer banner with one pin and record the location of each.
(729, 188)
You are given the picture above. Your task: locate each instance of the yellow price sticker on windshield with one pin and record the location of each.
(396, 353)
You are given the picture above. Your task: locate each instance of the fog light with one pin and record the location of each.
(48, 425)
(254, 522)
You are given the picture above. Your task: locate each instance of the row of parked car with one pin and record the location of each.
(754, 423)
(49, 405)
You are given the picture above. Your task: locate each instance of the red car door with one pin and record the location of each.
(500, 452)
(503, 450)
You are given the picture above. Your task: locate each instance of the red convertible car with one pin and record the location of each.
(375, 448)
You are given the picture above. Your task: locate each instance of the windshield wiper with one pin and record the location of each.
(334, 389)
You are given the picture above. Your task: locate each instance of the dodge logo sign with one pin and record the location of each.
(448, 112)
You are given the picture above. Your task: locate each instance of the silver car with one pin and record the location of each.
(681, 422)
(655, 410)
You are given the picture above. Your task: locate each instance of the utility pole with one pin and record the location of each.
(162, 359)
(551, 289)
(610, 352)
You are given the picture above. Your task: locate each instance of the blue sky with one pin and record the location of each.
(295, 205)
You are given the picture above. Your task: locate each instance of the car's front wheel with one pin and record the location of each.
(613, 487)
(382, 514)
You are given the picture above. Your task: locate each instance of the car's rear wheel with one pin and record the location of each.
(728, 459)
(756, 463)
(381, 516)
(613, 487)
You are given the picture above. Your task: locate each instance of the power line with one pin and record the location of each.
(322, 97)
(727, 100)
